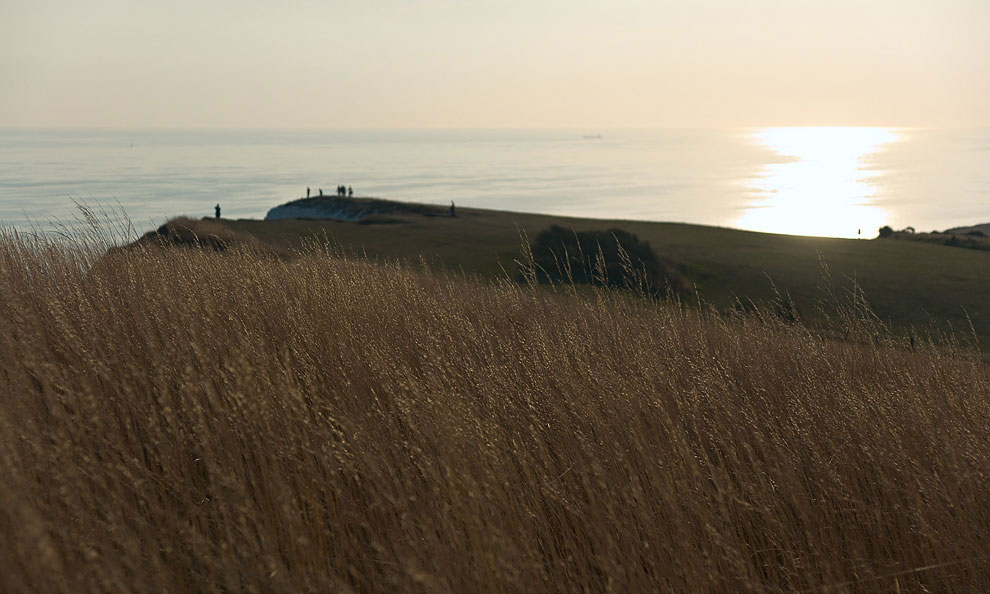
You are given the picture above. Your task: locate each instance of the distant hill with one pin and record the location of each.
(975, 237)
(982, 228)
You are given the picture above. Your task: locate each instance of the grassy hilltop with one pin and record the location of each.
(220, 420)
(910, 284)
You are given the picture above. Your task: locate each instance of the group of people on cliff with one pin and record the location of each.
(341, 191)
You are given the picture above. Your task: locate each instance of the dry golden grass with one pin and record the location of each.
(187, 420)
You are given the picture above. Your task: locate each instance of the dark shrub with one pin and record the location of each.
(886, 231)
(613, 257)
(205, 233)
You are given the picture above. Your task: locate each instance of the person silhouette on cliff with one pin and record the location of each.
(217, 209)
(307, 191)
(350, 192)
(451, 211)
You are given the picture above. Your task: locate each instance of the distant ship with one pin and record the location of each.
(592, 136)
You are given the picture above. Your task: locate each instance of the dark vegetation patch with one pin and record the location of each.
(612, 258)
(186, 232)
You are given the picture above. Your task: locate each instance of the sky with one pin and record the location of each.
(487, 64)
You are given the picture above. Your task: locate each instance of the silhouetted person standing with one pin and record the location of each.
(217, 209)
(350, 192)
(321, 191)
(307, 191)
(451, 211)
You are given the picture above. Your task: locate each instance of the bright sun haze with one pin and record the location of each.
(455, 63)
(825, 190)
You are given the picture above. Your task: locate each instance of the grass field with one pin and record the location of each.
(192, 420)
(910, 284)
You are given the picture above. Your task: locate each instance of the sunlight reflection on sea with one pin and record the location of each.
(827, 186)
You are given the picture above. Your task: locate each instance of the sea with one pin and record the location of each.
(823, 181)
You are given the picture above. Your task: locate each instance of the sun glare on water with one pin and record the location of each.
(826, 186)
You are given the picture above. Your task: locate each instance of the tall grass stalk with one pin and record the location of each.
(187, 420)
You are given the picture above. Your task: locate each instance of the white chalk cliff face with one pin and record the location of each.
(339, 212)
(347, 209)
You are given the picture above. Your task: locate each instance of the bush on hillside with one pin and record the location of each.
(204, 233)
(613, 257)
(886, 232)
(207, 233)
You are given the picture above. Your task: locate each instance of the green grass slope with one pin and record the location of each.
(909, 284)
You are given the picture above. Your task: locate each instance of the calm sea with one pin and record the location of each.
(812, 181)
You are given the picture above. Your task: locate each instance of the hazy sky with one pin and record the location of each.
(474, 63)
